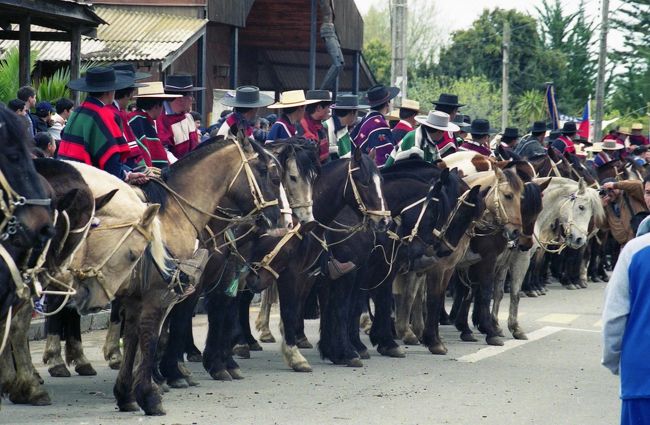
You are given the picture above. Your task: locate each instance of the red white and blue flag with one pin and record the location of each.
(583, 130)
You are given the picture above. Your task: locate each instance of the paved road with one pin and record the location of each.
(555, 378)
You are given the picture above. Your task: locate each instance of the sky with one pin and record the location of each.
(459, 14)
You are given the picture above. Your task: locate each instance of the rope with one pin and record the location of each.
(5, 334)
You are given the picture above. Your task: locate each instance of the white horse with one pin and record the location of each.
(569, 210)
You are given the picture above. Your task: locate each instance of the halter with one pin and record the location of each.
(10, 201)
(565, 230)
(442, 233)
(265, 263)
(96, 271)
(256, 193)
(362, 206)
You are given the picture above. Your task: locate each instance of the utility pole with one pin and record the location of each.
(505, 82)
(600, 79)
(398, 24)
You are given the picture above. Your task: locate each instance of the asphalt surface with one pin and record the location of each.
(554, 378)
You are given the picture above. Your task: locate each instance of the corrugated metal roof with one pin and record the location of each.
(130, 36)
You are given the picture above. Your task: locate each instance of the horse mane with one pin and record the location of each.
(525, 177)
(368, 169)
(532, 204)
(305, 154)
(513, 180)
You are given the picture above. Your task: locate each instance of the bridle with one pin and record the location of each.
(442, 233)
(266, 262)
(96, 271)
(357, 196)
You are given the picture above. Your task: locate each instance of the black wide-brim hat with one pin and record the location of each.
(101, 79)
(247, 97)
(348, 101)
(538, 127)
(380, 94)
(569, 128)
(459, 120)
(481, 127)
(510, 132)
(180, 84)
(124, 66)
(448, 100)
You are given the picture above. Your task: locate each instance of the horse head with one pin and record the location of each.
(272, 255)
(300, 165)
(505, 203)
(363, 190)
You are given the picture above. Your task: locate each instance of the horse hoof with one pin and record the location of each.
(522, 294)
(519, 335)
(411, 340)
(302, 367)
(128, 407)
(494, 340)
(445, 320)
(582, 284)
(156, 410)
(438, 349)
(531, 294)
(242, 351)
(468, 337)
(164, 387)
(42, 398)
(570, 287)
(267, 338)
(115, 364)
(191, 381)
(177, 383)
(195, 358)
(304, 343)
(221, 375)
(37, 376)
(355, 363)
(235, 373)
(255, 346)
(395, 352)
(501, 333)
(59, 371)
(364, 355)
(85, 370)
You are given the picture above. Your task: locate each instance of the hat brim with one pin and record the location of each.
(422, 119)
(350, 107)
(141, 75)
(121, 82)
(463, 125)
(457, 105)
(392, 93)
(183, 90)
(280, 105)
(617, 148)
(264, 101)
(483, 133)
(157, 96)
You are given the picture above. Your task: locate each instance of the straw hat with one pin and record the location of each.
(438, 120)
(611, 145)
(155, 90)
(637, 126)
(393, 115)
(291, 99)
(596, 147)
(411, 105)
(624, 130)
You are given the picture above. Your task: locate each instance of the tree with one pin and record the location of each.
(632, 87)
(530, 107)
(482, 98)
(478, 51)
(377, 54)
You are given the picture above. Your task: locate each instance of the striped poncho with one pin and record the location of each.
(92, 136)
(144, 129)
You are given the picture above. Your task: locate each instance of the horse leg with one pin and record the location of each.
(485, 275)
(269, 296)
(192, 351)
(246, 338)
(231, 325)
(155, 304)
(172, 356)
(26, 387)
(308, 309)
(499, 285)
(74, 353)
(419, 311)
(405, 288)
(123, 389)
(288, 293)
(381, 331)
(212, 355)
(334, 326)
(463, 300)
(112, 353)
(520, 267)
(54, 330)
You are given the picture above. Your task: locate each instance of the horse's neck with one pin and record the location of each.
(329, 192)
(400, 193)
(551, 210)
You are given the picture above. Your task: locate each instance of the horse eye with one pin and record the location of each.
(132, 256)
(509, 196)
(581, 207)
(293, 178)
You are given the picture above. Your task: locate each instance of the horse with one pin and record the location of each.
(568, 210)
(500, 226)
(355, 182)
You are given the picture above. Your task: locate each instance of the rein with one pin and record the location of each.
(265, 263)
(500, 214)
(442, 233)
(362, 206)
(565, 230)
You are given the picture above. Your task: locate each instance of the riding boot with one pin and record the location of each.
(190, 271)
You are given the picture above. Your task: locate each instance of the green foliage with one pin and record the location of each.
(9, 69)
(530, 107)
(377, 54)
(632, 87)
(482, 98)
(55, 87)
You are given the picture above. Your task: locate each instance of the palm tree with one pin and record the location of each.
(530, 107)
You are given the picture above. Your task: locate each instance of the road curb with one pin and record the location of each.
(91, 322)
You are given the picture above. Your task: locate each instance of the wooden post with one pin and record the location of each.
(600, 77)
(505, 77)
(355, 72)
(234, 57)
(24, 46)
(75, 61)
(200, 74)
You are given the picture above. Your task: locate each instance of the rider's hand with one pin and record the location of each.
(609, 185)
(136, 178)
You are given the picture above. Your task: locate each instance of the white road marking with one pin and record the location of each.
(598, 324)
(487, 352)
(503, 315)
(560, 318)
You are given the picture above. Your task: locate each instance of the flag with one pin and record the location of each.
(583, 130)
(551, 107)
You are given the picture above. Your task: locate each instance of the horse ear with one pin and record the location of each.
(444, 176)
(68, 199)
(581, 186)
(357, 155)
(149, 214)
(101, 201)
(373, 154)
(474, 191)
(543, 185)
(499, 173)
